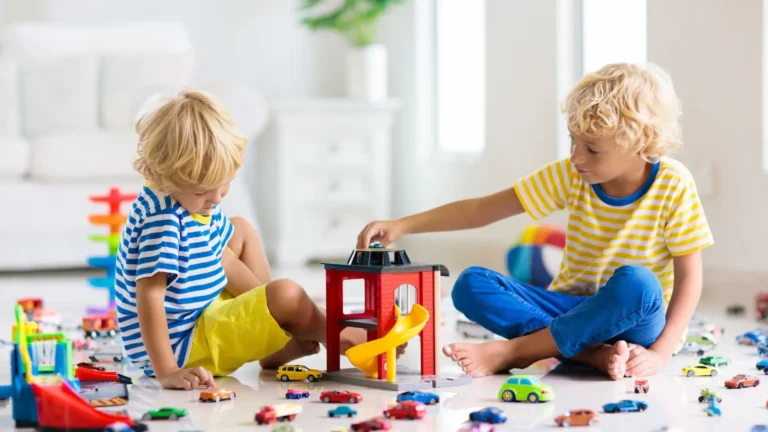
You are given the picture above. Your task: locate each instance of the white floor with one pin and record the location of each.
(672, 398)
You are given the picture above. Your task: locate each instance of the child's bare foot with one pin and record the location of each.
(616, 365)
(294, 349)
(485, 358)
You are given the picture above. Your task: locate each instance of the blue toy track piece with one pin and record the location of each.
(102, 282)
(102, 261)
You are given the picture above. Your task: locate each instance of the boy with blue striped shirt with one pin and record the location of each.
(195, 297)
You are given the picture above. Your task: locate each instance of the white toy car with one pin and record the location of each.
(471, 329)
(112, 352)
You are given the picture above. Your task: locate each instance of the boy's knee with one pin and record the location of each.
(638, 283)
(463, 291)
(285, 298)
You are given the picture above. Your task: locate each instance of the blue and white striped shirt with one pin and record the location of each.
(161, 236)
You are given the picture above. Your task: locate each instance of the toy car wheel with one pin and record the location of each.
(305, 394)
(701, 399)
(410, 416)
(93, 359)
(645, 390)
(352, 400)
(311, 378)
(713, 373)
(331, 414)
(146, 417)
(637, 390)
(432, 401)
(349, 415)
(757, 383)
(700, 352)
(533, 397)
(690, 373)
(565, 423)
(615, 410)
(387, 414)
(641, 408)
(284, 378)
(719, 400)
(741, 385)
(234, 395)
(508, 396)
(112, 333)
(592, 422)
(217, 398)
(326, 399)
(766, 371)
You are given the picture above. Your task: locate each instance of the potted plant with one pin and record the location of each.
(356, 21)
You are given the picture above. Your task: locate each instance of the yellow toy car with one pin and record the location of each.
(700, 370)
(298, 373)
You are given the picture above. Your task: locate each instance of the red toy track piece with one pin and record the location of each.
(85, 374)
(61, 408)
(115, 198)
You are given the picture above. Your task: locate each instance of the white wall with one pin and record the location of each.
(521, 116)
(713, 52)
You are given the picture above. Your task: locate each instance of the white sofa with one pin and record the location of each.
(68, 99)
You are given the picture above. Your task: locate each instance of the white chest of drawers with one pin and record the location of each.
(324, 171)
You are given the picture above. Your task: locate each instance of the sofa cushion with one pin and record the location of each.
(9, 100)
(59, 94)
(14, 157)
(127, 80)
(84, 156)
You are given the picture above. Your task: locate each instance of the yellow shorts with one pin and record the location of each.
(235, 330)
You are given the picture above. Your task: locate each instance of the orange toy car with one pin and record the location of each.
(741, 381)
(579, 417)
(216, 395)
(99, 326)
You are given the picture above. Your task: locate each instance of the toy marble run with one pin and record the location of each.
(44, 390)
(389, 322)
(114, 220)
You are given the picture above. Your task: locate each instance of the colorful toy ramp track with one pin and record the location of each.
(60, 408)
(406, 327)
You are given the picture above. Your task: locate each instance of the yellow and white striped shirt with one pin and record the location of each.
(662, 220)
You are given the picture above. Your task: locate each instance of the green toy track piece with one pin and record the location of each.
(113, 240)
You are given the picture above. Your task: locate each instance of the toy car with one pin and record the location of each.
(700, 370)
(342, 410)
(691, 347)
(83, 344)
(477, 427)
(641, 385)
(750, 338)
(283, 412)
(713, 409)
(86, 365)
(715, 361)
(741, 381)
(216, 395)
(298, 373)
(340, 396)
(96, 326)
(110, 352)
(706, 394)
(491, 415)
(735, 309)
(374, 424)
(418, 396)
(762, 365)
(407, 409)
(762, 349)
(470, 329)
(625, 406)
(296, 394)
(525, 388)
(165, 413)
(579, 417)
(122, 427)
(759, 428)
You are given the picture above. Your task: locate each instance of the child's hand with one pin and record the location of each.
(188, 379)
(384, 232)
(644, 362)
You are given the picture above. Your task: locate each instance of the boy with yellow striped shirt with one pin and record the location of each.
(630, 278)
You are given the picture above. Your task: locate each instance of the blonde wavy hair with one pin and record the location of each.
(187, 139)
(635, 104)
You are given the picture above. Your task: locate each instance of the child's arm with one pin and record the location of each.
(240, 279)
(458, 215)
(150, 297)
(685, 297)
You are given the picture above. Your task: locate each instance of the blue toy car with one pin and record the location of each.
(626, 405)
(296, 394)
(759, 428)
(488, 415)
(342, 410)
(751, 338)
(423, 397)
(762, 349)
(762, 365)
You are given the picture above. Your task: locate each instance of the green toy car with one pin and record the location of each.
(715, 361)
(525, 388)
(165, 413)
(706, 394)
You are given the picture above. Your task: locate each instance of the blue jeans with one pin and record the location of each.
(629, 307)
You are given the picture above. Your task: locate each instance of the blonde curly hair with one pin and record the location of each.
(636, 104)
(187, 139)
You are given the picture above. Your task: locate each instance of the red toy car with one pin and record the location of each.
(374, 424)
(641, 385)
(741, 381)
(340, 396)
(406, 409)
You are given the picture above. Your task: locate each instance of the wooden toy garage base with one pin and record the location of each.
(407, 380)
